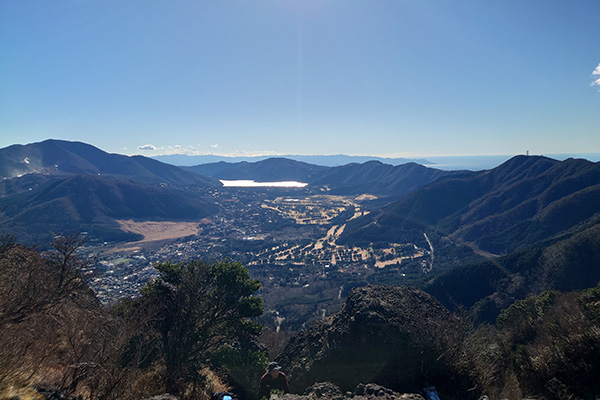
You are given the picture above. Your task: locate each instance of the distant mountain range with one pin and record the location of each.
(87, 203)
(59, 157)
(519, 203)
(269, 170)
(372, 177)
(60, 187)
(531, 224)
(321, 160)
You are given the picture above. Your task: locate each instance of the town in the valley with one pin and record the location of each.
(286, 238)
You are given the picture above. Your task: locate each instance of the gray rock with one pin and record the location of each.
(329, 391)
(397, 337)
(164, 396)
(324, 390)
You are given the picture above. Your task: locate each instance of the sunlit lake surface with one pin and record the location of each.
(248, 183)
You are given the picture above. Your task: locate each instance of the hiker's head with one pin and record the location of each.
(273, 369)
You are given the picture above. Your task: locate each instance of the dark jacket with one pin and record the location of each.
(267, 383)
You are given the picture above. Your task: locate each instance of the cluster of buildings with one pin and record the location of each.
(262, 237)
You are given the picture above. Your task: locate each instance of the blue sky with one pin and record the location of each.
(376, 77)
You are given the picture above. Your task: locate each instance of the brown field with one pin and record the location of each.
(159, 230)
(156, 231)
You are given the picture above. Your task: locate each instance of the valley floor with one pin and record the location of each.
(288, 240)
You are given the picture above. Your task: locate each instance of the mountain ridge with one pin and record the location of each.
(267, 170)
(320, 160)
(378, 178)
(92, 204)
(372, 177)
(60, 157)
(60, 186)
(515, 204)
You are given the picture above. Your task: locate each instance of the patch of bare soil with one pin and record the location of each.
(159, 230)
(156, 232)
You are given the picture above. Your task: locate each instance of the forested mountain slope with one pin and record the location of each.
(377, 178)
(371, 177)
(405, 340)
(269, 170)
(519, 203)
(485, 288)
(59, 157)
(57, 186)
(90, 203)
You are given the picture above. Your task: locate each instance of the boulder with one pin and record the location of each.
(329, 391)
(164, 396)
(398, 337)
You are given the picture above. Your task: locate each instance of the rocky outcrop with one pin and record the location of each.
(329, 391)
(165, 396)
(48, 393)
(398, 337)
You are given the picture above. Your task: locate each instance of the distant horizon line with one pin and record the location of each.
(271, 154)
(362, 155)
(448, 162)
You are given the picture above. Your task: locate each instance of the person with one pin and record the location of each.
(273, 379)
(223, 396)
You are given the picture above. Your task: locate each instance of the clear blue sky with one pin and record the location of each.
(370, 77)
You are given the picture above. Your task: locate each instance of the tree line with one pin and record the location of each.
(189, 333)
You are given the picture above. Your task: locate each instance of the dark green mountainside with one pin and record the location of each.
(515, 205)
(545, 347)
(269, 170)
(372, 177)
(58, 186)
(92, 204)
(485, 288)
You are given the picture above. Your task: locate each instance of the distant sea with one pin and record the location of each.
(477, 163)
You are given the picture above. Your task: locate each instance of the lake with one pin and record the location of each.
(249, 183)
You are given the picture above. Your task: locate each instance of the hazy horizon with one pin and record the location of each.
(447, 162)
(444, 162)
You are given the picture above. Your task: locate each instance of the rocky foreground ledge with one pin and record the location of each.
(329, 391)
(371, 391)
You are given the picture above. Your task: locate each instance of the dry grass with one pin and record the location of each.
(156, 232)
(159, 230)
(25, 393)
